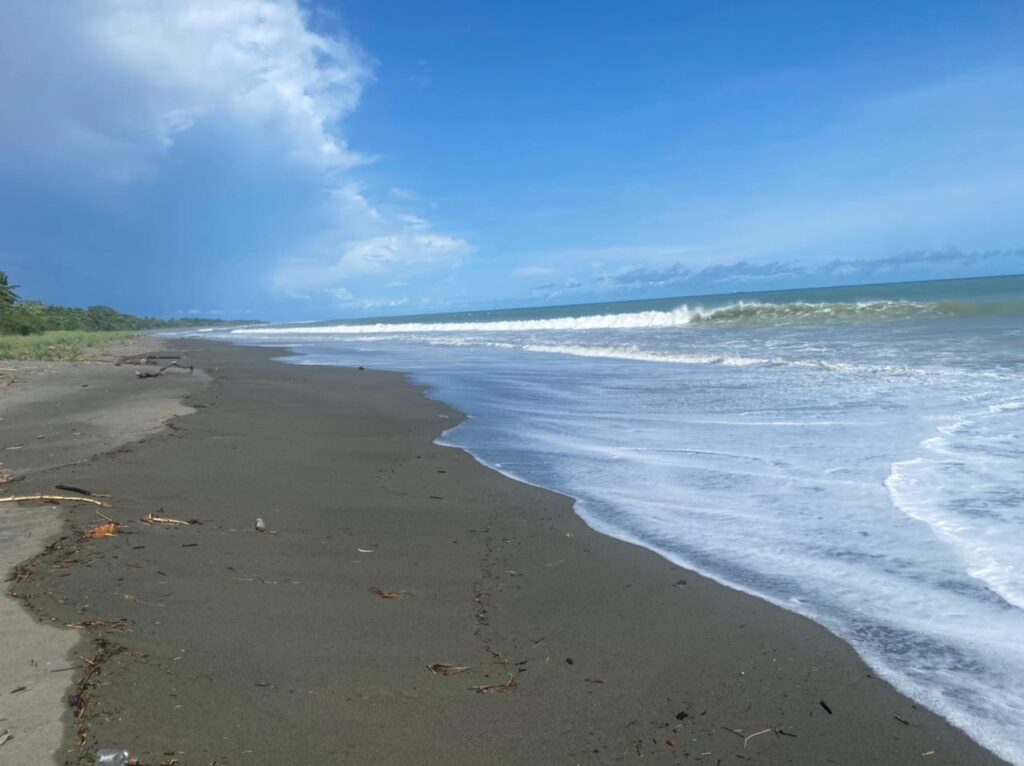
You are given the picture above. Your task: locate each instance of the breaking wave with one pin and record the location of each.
(740, 313)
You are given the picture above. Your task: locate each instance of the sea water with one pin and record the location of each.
(852, 454)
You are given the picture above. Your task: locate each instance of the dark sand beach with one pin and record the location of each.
(284, 647)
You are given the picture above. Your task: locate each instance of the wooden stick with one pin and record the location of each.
(54, 499)
(755, 734)
(149, 518)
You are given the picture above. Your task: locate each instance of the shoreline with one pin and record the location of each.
(258, 648)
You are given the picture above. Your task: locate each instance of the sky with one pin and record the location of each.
(291, 160)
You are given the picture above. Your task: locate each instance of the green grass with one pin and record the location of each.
(58, 345)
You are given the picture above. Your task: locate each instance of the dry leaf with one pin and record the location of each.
(102, 530)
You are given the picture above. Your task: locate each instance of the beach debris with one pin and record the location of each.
(902, 720)
(79, 699)
(441, 669)
(261, 525)
(390, 594)
(682, 715)
(925, 755)
(18, 690)
(102, 530)
(151, 518)
(54, 499)
(5, 737)
(780, 732)
(162, 370)
(593, 680)
(78, 490)
(510, 684)
(108, 757)
(150, 359)
(825, 706)
(121, 624)
(755, 734)
(680, 583)
(365, 550)
(569, 661)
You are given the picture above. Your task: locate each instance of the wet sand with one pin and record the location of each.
(53, 414)
(283, 646)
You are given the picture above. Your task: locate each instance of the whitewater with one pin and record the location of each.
(852, 454)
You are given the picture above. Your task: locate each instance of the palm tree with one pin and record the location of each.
(7, 295)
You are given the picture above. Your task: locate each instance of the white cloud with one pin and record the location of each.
(402, 252)
(108, 86)
(367, 248)
(105, 90)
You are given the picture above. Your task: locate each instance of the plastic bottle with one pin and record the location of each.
(109, 757)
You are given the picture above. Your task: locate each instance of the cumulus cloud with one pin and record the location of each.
(105, 91)
(366, 248)
(108, 86)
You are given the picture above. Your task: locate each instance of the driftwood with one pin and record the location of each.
(162, 370)
(54, 499)
(150, 359)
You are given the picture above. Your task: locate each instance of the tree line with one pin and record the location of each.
(18, 317)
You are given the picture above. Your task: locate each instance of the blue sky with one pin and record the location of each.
(348, 157)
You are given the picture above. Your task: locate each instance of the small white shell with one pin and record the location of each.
(260, 526)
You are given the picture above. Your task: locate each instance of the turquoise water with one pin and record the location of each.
(854, 454)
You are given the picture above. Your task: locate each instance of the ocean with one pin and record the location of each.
(854, 454)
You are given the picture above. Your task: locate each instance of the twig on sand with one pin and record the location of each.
(440, 669)
(511, 683)
(54, 499)
(755, 734)
(150, 518)
(390, 594)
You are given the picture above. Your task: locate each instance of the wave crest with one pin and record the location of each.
(742, 312)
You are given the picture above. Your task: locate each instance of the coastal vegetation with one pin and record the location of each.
(58, 345)
(18, 317)
(35, 330)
